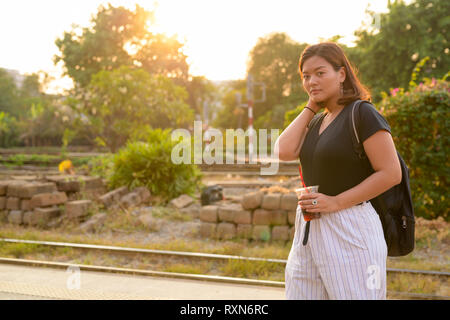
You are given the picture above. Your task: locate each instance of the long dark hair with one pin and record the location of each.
(330, 51)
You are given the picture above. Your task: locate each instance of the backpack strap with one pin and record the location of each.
(354, 124)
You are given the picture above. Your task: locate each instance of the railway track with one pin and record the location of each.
(194, 255)
(289, 168)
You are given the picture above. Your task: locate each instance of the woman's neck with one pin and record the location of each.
(333, 108)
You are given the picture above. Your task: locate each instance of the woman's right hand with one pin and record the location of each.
(316, 106)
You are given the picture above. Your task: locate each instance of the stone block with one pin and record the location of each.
(244, 231)
(208, 230)
(41, 216)
(181, 202)
(243, 217)
(3, 216)
(68, 185)
(2, 203)
(108, 199)
(262, 217)
(28, 190)
(3, 187)
(48, 199)
(79, 208)
(227, 212)
(12, 203)
(92, 194)
(27, 217)
(289, 201)
(291, 217)
(279, 218)
(15, 217)
(226, 230)
(252, 200)
(209, 214)
(193, 210)
(93, 223)
(271, 201)
(12, 187)
(130, 200)
(261, 233)
(88, 183)
(280, 233)
(144, 193)
(25, 205)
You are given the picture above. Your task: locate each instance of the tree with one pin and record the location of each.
(201, 90)
(9, 94)
(274, 61)
(407, 34)
(119, 37)
(117, 103)
(232, 116)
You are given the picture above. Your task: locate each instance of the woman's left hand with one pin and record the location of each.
(325, 204)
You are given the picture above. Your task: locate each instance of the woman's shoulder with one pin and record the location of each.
(371, 120)
(368, 106)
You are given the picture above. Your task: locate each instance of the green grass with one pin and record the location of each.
(42, 159)
(253, 269)
(170, 214)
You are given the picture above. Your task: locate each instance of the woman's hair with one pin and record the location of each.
(353, 89)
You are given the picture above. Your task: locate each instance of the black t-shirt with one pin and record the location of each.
(329, 160)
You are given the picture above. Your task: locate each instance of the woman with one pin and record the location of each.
(345, 255)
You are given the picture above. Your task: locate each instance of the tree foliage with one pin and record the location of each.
(146, 161)
(419, 118)
(117, 103)
(407, 33)
(119, 37)
(274, 61)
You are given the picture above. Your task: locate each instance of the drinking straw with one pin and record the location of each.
(306, 217)
(301, 177)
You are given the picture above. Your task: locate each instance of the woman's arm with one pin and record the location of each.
(288, 145)
(380, 150)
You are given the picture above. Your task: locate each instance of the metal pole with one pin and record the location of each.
(250, 116)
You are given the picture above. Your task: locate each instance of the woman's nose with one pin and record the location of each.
(313, 80)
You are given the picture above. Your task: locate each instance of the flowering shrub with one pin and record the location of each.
(146, 161)
(420, 120)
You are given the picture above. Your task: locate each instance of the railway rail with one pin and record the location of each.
(194, 255)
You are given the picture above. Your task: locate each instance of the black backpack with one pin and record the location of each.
(211, 194)
(394, 207)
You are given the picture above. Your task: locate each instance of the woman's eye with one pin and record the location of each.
(319, 73)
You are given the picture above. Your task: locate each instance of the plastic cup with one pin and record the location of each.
(301, 191)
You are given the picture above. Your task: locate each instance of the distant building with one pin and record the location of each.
(17, 76)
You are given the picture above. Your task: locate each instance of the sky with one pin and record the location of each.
(218, 35)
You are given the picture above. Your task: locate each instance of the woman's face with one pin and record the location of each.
(320, 80)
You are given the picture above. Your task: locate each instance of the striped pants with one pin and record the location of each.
(345, 257)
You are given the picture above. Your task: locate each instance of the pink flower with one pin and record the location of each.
(394, 91)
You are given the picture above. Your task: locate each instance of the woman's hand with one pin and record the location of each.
(325, 204)
(316, 106)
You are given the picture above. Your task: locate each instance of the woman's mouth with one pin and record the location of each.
(315, 91)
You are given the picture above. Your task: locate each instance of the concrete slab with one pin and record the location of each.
(21, 282)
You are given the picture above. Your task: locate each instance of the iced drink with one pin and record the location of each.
(301, 191)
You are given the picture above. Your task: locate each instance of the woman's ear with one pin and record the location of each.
(342, 74)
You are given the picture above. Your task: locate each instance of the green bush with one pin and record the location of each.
(290, 115)
(419, 119)
(146, 161)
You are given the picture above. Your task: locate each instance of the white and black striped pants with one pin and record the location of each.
(345, 257)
